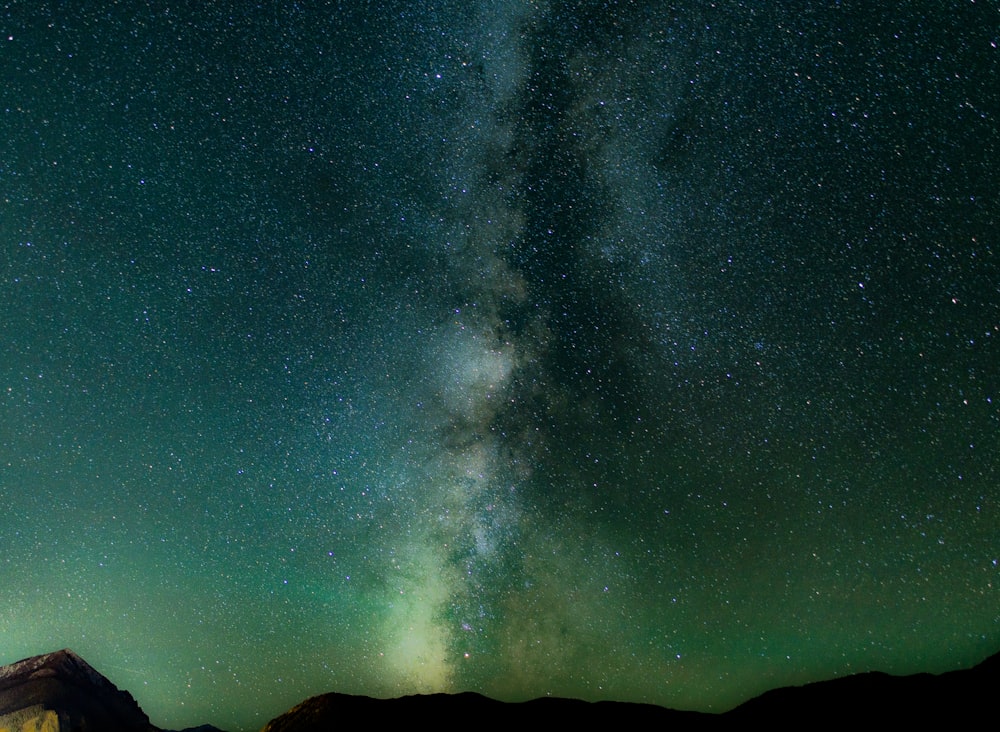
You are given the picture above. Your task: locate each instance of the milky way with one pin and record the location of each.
(607, 350)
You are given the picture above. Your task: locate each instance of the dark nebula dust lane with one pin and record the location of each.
(635, 351)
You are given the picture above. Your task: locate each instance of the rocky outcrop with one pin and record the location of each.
(60, 692)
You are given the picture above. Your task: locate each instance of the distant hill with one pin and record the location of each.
(327, 711)
(964, 698)
(60, 692)
(923, 700)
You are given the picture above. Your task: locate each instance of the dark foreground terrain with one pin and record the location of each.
(60, 692)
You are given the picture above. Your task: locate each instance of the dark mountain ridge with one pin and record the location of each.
(870, 698)
(921, 699)
(60, 692)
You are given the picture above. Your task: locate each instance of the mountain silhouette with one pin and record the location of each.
(963, 698)
(60, 692)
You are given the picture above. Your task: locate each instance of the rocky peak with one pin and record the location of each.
(64, 664)
(62, 691)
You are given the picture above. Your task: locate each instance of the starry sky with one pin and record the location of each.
(618, 350)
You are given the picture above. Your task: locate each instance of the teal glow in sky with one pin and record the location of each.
(610, 350)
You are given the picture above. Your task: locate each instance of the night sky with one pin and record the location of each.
(639, 351)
